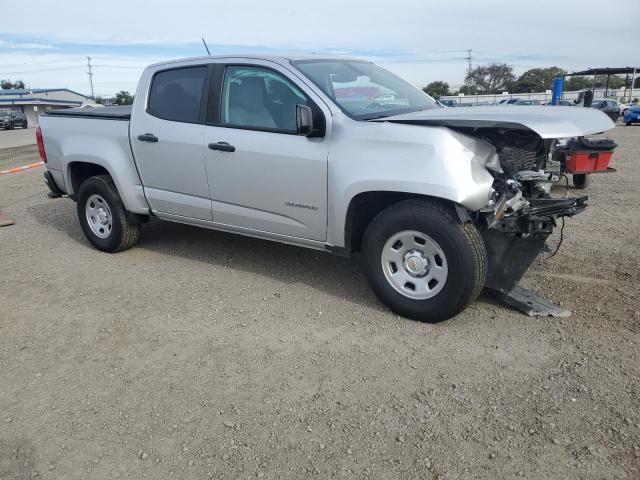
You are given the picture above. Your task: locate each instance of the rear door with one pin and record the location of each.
(167, 140)
(263, 175)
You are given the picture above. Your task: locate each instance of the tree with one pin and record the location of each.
(492, 78)
(573, 84)
(437, 89)
(468, 90)
(7, 84)
(537, 79)
(124, 98)
(582, 83)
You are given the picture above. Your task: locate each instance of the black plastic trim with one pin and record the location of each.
(122, 113)
(51, 183)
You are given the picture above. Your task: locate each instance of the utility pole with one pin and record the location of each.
(90, 73)
(468, 58)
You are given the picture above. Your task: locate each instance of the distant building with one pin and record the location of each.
(35, 101)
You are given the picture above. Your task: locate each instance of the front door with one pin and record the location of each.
(263, 175)
(167, 143)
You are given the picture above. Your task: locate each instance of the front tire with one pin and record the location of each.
(422, 262)
(102, 216)
(25, 124)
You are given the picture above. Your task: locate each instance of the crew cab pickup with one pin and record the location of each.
(324, 153)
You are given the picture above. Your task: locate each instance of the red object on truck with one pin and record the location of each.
(587, 155)
(587, 162)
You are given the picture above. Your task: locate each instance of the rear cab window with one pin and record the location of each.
(176, 94)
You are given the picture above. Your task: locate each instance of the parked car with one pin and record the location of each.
(522, 101)
(9, 119)
(632, 115)
(508, 101)
(562, 103)
(610, 107)
(266, 147)
(448, 102)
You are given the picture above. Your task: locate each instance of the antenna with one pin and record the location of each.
(205, 46)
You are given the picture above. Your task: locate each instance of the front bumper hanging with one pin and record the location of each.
(514, 243)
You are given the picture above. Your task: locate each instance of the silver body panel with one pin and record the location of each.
(290, 188)
(101, 142)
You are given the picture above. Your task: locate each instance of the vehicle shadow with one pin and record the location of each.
(336, 276)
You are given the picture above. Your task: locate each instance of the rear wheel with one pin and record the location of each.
(102, 216)
(25, 124)
(581, 180)
(422, 263)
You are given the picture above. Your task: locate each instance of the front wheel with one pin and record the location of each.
(102, 216)
(422, 262)
(25, 124)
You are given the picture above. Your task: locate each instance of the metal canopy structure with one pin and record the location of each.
(608, 71)
(603, 71)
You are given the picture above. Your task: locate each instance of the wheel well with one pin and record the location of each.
(80, 171)
(365, 206)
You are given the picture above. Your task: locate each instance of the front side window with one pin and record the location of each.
(259, 98)
(363, 90)
(177, 94)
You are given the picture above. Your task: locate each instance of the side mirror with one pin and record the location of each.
(304, 120)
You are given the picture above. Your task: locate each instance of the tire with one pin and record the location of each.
(460, 246)
(98, 202)
(581, 180)
(11, 126)
(25, 124)
(628, 124)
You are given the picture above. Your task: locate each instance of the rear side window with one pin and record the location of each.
(177, 94)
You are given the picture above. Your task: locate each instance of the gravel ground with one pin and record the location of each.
(201, 354)
(17, 138)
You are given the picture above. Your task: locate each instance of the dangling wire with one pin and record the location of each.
(561, 238)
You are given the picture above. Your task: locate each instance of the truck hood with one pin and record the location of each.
(546, 121)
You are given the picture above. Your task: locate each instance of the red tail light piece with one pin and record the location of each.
(43, 155)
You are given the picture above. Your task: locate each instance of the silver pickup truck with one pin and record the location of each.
(325, 153)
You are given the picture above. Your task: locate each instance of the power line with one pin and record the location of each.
(42, 70)
(120, 66)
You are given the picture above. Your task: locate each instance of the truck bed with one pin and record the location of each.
(108, 113)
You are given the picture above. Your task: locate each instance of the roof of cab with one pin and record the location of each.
(282, 59)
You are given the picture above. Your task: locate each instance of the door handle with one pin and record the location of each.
(148, 137)
(222, 146)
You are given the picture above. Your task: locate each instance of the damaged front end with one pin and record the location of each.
(521, 215)
(529, 159)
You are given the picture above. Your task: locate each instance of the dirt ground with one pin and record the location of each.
(201, 354)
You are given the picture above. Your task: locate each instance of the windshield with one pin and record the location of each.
(363, 90)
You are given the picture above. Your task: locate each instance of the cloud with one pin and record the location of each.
(422, 40)
(25, 46)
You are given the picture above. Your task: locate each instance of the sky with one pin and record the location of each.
(45, 43)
